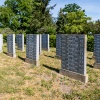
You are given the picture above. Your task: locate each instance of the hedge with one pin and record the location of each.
(90, 43)
(52, 40)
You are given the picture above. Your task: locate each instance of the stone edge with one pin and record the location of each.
(36, 63)
(74, 75)
(97, 65)
(11, 55)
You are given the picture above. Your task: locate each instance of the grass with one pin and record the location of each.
(21, 81)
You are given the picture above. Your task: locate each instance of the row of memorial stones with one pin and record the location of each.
(72, 50)
(34, 45)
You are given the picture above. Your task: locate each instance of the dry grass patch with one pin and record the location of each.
(22, 81)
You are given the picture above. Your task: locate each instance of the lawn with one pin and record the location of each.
(21, 81)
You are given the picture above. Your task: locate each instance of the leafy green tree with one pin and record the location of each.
(71, 8)
(22, 11)
(61, 21)
(72, 20)
(5, 15)
(76, 22)
(96, 27)
(41, 18)
(30, 16)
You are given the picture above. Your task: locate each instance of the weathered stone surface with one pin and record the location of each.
(32, 49)
(2, 39)
(58, 46)
(45, 42)
(97, 50)
(73, 57)
(11, 45)
(20, 41)
(40, 43)
(1, 42)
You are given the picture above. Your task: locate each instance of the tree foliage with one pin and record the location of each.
(30, 16)
(72, 19)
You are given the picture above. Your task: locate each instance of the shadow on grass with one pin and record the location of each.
(23, 59)
(49, 56)
(89, 58)
(90, 65)
(53, 51)
(51, 68)
(5, 53)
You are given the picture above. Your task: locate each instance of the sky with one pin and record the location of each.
(92, 7)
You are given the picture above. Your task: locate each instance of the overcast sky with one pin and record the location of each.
(92, 7)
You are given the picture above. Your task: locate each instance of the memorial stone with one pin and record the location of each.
(97, 50)
(1, 43)
(11, 45)
(45, 42)
(73, 57)
(20, 41)
(58, 46)
(32, 49)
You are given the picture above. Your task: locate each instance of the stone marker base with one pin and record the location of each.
(80, 77)
(11, 55)
(97, 65)
(40, 53)
(58, 57)
(21, 49)
(93, 57)
(36, 63)
(46, 49)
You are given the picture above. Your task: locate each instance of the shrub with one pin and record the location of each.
(90, 43)
(52, 40)
(4, 37)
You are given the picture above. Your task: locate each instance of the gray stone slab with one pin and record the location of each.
(97, 50)
(45, 42)
(2, 39)
(20, 41)
(73, 57)
(11, 45)
(40, 43)
(32, 49)
(58, 46)
(1, 42)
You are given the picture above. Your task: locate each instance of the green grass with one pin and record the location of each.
(22, 81)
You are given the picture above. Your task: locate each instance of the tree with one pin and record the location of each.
(96, 27)
(72, 19)
(42, 19)
(22, 11)
(30, 16)
(76, 22)
(72, 8)
(61, 21)
(5, 15)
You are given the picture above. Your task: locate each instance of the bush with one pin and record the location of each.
(4, 38)
(52, 40)
(90, 43)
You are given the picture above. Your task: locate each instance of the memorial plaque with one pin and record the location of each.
(45, 42)
(20, 41)
(11, 45)
(58, 45)
(32, 49)
(97, 50)
(73, 57)
(1, 43)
